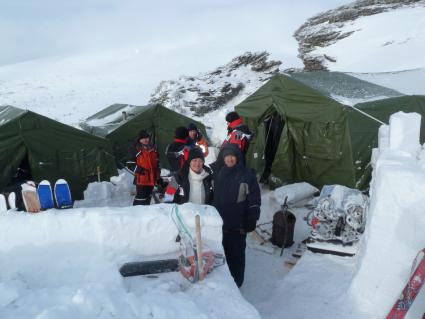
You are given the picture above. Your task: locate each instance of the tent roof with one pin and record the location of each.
(8, 113)
(292, 98)
(344, 88)
(109, 119)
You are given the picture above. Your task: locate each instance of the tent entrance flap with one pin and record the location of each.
(273, 125)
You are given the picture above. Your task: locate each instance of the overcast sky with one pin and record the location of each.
(216, 30)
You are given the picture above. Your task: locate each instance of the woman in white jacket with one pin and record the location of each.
(193, 183)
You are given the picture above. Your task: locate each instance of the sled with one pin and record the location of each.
(63, 194)
(45, 195)
(3, 205)
(31, 202)
(11, 200)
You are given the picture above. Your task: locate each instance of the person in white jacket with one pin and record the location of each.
(193, 183)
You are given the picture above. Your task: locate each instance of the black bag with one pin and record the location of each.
(283, 227)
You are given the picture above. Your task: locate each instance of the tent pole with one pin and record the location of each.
(368, 115)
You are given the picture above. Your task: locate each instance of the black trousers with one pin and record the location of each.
(143, 195)
(234, 245)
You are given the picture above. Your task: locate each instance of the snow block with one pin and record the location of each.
(405, 131)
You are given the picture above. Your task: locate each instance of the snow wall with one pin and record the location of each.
(64, 264)
(395, 230)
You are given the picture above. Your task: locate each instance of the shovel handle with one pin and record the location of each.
(199, 245)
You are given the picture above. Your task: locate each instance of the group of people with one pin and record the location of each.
(227, 184)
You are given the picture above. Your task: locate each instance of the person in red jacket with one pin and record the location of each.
(237, 132)
(146, 171)
(178, 151)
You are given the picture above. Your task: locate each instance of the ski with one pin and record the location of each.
(413, 287)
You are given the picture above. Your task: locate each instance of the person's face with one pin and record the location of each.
(192, 134)
(230, 160)
(196, 165)
(144, 141)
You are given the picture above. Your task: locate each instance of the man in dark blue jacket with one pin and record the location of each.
(237, 198)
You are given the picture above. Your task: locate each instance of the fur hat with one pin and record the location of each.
(195, 152)
(232, 116)
(192, 127)
(143, 134)
(181, 133)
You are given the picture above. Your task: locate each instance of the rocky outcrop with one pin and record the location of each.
(325, 28)
(209, 91)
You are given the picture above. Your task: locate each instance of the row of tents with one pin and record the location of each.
(304, 130)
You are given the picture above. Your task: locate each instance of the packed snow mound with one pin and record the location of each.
(197, 95)
(64, 264)
(365, 36)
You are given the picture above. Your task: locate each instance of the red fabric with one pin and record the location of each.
(184, 158)
(180, 141)
(147, 159)
(235, 123)
(234, 138)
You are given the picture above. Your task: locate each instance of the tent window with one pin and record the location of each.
(274, 125)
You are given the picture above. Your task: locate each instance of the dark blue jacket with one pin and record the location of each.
(237, 195)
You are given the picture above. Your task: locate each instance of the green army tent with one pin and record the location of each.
(120, 123)
(51, 150)
(305, 130)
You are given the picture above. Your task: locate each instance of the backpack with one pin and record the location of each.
(283, 227)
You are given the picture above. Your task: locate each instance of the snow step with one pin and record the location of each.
(300, 250)
(333, 248)
(290, 263)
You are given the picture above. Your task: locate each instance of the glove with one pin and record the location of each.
(250, 224)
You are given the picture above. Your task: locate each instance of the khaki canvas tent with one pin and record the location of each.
(120, 123)
(305, 130)
(51, 150)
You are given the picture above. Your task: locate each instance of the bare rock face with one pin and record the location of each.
(324, 29)
(209, 91)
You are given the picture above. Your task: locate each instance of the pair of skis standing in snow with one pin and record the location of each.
(34, 198)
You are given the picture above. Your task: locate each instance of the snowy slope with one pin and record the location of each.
(407, 82)
(365, 36)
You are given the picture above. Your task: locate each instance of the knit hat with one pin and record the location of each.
(181, 133)
(143, 134)
(232, 116)
(192, 127)
(195, 152)
(230, 149)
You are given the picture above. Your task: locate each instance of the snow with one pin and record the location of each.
(64, 264)
(407, 82)
(405, 129)
(295, 192)
(389, 41)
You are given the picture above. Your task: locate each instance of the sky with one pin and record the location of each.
(213, 31)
